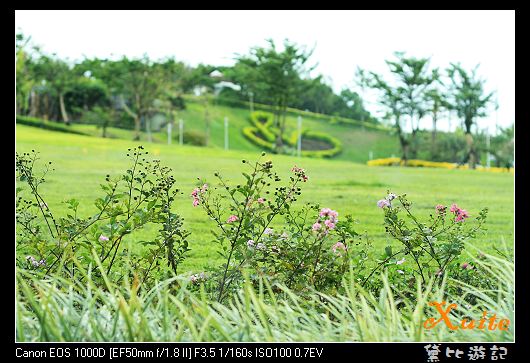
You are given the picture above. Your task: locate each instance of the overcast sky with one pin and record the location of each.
(343, 40)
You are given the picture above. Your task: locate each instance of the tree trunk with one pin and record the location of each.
(413, 145)
(405, 150)
(148, 129)
(47, 107)
(402, 141)
(64, 115)
(472, 152)
(137, 126)
(33, 104)
(433, 137)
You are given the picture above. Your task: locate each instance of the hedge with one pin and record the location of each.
(269, 134)
(416, 163)
(48, 125)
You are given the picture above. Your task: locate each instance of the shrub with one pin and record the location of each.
(295, 253)
(47, 125)
(428, 249)
(264, 135)
(192, 137)
(335, 144)
(251, 134)
(432, 164)
(144, 194)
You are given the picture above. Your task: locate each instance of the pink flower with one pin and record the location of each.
(296, 169)
(440, 208)
(461, 215)
(103, 238)
(324, 212)
(338, 246)
(195, 195)
(329, 224)
(204, 188)
(231, 219)
(261, 200)
(466, 266)
(299, 172)
(316, 226)
(383, 203)
(327, 212)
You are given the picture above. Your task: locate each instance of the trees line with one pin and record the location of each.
(130, 91)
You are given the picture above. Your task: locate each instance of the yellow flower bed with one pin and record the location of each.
(432, 164)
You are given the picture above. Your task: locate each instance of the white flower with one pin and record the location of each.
(400, 261)
(391, 197)
(401, 271)
(268, 231)
(250, 243)
(260, 246)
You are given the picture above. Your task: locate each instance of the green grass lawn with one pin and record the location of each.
(357, 142)
(81, 163)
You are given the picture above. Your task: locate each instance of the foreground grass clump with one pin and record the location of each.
(58, 309)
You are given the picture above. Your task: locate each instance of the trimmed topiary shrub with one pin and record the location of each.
(314, 144)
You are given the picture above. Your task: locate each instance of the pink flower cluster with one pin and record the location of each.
(198, 278)
(383, 203)
(440, 209)
(386, 203)
(328, 218)
(337, 247)
(232, 219)
(300, 173)
(460, 214)
(196, 193)
(34, 261)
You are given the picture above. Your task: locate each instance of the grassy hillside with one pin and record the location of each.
(357, 141)
(81, 163)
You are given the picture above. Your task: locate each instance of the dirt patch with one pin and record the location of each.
(314, 144)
